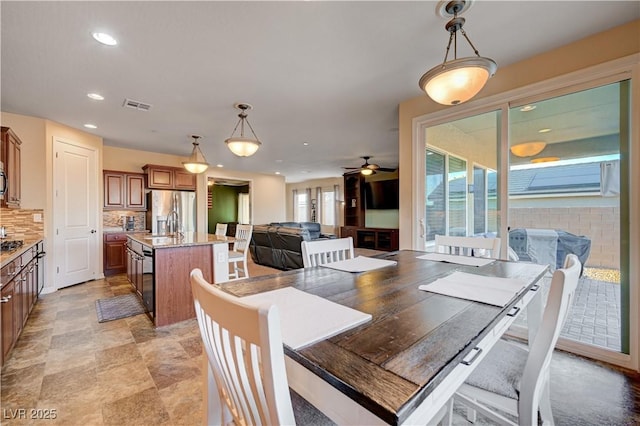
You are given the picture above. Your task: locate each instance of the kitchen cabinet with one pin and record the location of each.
(135, 259)
(115, 253)
(124, 191)
(385, 239)
(166, 177)
(10, 155)
(18, 296)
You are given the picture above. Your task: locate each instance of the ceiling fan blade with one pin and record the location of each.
(386, 169)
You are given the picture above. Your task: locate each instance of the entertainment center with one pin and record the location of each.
(362, 198)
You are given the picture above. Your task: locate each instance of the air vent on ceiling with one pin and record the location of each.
(130, 103)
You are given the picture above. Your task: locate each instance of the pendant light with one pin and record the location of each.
(197, 163)
(243, 146)
(458, 80)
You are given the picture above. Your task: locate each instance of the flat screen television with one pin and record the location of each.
(381, 194)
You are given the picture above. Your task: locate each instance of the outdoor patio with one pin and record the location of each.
(594, 317)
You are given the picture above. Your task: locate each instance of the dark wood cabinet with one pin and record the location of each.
(166, 177)
(354, 212)
(124, 191)
(19, 294)
(385, 239)
(115, 253)
(10, 155)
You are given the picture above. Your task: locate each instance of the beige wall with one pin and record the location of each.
(31, 131)
(616, 43)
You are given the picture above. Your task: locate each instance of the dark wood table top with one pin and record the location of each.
(392, 363)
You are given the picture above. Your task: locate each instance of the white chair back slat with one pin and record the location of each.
(243, 237)
(245, 354)
(468, 246)
(320, 252)
(221, 229)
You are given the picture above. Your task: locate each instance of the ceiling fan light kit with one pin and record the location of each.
(196, 163)
(243, 146)
(458, 80)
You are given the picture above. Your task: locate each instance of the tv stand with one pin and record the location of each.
(385, 239)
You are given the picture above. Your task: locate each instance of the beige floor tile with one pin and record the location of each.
(167, 373)
(165, 349)
(72, 412)
(192, 345)
(111, 337)
(81, 339)
(116, 356)
(123, 380)
(66, 385)
(142, 408)
(58, 360)
(183, 401)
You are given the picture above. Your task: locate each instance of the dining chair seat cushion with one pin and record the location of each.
(235, 255)
(501, 370)
(307, 414)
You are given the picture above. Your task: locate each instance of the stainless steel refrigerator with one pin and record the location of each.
(160, 207)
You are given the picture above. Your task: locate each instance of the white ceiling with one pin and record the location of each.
(330, 74)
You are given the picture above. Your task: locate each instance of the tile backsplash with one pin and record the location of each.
(113, 218)
(20, 223)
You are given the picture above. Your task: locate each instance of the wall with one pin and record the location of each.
(327, 183)
(616, 43)
(224, 200)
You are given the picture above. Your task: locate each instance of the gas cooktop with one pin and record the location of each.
(10, 245)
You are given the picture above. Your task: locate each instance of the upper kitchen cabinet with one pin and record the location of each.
(166, 177)
(10, 157)
(124, 191)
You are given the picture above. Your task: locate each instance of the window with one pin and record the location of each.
(328, 207)
(301, 207)
(485, 214)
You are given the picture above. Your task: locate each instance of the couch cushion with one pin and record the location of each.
(314, 229)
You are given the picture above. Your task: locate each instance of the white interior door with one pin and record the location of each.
(75, 213)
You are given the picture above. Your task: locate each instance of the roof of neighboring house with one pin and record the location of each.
(558, 179)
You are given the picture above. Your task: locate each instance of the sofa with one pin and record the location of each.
(278, 244)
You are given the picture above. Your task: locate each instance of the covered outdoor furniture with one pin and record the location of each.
(548, 246)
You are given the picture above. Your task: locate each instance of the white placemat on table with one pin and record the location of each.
(460, 260)
(360, 264)
(306, 318)
(491, 290)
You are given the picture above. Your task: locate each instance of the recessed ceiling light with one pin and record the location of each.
(105, 38)
(277, 173)
(305, 143)
(546, 130)
(528, 108)
(90, 126)
(219, 165)
(95, 96)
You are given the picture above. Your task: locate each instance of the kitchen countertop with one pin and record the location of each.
(119, 230)
(189, 239)
(8, 256)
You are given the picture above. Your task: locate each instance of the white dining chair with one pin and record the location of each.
(468, 246)
(320, 252)
(238, 254)
(246, 377)
(221, 229)
(515, 380)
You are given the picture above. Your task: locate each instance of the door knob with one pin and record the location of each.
(93, 231)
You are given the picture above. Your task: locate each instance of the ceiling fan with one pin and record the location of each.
(369, 168)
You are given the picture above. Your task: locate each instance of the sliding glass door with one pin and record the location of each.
(559, 184)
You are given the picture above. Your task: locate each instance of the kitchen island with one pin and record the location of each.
(158, 268)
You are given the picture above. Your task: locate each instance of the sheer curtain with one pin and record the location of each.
(336, 210)
(244, 216)
(318, 204)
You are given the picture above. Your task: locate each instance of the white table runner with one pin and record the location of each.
(490, 290)
(459, 260)
(306, 318)
(360, 264)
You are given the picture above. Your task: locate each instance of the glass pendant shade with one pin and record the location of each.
(196, 163)
(457, 81)
(528, 149)
(243, 147)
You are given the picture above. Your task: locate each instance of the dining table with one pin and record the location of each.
(405, 362)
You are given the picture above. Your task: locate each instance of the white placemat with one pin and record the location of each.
(306, 318)
(360, 264)
(460, 260)
(491, 290)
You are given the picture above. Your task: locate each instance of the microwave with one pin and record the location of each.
(3, 181)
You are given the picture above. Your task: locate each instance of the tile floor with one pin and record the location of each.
(126, 372)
